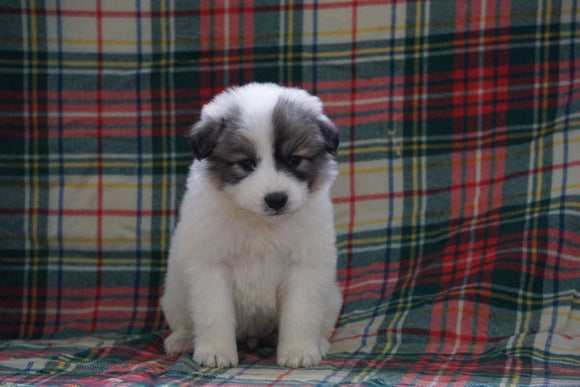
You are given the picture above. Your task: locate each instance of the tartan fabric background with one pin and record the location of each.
(457, 206)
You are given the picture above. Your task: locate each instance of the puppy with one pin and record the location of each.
(253, 255)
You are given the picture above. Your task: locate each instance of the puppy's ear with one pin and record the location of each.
(330, 134)
(204, 136)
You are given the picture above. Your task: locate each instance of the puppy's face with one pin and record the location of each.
(268, 147)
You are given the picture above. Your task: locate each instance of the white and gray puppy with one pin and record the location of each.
(253, 256)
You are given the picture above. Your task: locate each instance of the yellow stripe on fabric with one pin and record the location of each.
(289, 37)
(363, 241)
(412, 250)
(35, 169)
(372, 170)
(538, 193)
(561, 314)
(164, 147)
(538, 354)
(559, 349)
(164, 111)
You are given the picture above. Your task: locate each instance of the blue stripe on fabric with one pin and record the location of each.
(61, 172)
(30, 364)
(138, 254)
(232, 377)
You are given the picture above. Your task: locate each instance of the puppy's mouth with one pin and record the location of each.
(279, 213)
(271, 216)
(276, 213)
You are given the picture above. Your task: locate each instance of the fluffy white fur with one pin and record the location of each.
(236, 272)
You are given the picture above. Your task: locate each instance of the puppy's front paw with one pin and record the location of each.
(178, 342)
(294, 356)
(324, 346)
(215, 356)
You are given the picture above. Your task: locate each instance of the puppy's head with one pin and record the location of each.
(267, 146)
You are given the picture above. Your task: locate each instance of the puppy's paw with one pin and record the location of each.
(216, 356)
(299, 356)
(324, 346)
(178, 342)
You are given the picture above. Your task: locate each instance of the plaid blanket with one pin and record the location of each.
(457, 206)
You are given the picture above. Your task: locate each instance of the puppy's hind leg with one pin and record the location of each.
(178, 342)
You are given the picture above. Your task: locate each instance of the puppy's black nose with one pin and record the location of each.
(276, 200)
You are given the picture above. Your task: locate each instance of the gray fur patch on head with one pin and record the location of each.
(204, 136)
(303, 132)
(226, 162)
(222, 143)
(209, 131)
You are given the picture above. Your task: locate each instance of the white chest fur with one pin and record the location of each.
(254, 288)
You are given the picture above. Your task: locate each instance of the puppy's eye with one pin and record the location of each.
(294, 160)
(247, 164)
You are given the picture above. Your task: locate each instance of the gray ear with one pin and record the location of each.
(330, 134)
(204, 136)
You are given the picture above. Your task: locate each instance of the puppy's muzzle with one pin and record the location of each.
(276, 200)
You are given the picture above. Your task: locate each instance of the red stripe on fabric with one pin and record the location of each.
(206, 83)
(31, 291)
(84, 293)
(376, 268)
(99, 86)
(496, 166)
(281, 377)
(479, 339)
(352, 170)
(218, 55)
(219, 35)
(233, 40)
(439, 321)
(234, 37)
